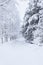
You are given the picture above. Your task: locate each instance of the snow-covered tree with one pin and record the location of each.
(9, 19)
(31, 19)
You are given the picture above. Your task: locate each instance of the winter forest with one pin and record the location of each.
(21, 32)
(16, 23)
(9, 20)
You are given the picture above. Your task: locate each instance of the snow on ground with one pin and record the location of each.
(20, 53)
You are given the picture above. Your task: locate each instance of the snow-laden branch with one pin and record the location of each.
(5, 2)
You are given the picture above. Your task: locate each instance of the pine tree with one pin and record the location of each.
(31, 20)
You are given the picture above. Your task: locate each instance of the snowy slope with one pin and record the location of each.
(21, 54)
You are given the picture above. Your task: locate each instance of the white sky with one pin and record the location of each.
(22, 4)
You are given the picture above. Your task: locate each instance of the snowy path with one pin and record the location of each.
(21, 54)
